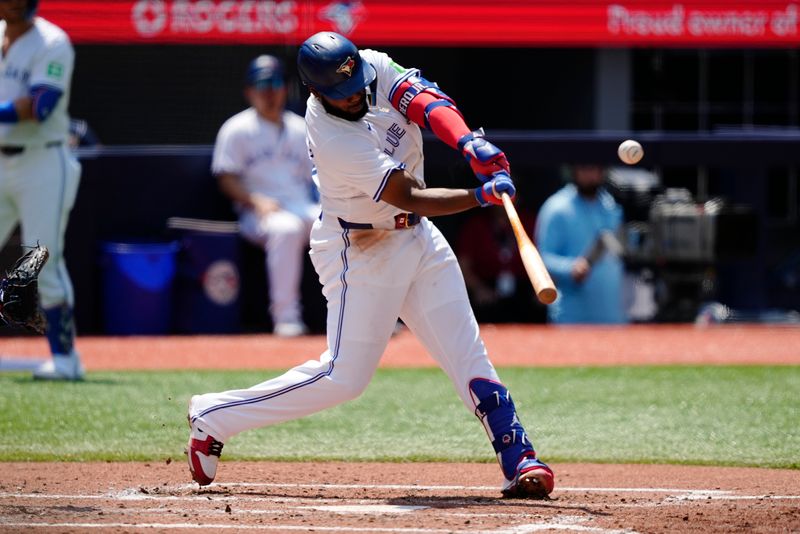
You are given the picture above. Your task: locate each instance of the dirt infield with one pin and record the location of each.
(520, 345)
(406, 498)
(413, 497)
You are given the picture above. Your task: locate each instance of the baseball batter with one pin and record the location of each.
(262, 164)
(378, 256)
(38, 173)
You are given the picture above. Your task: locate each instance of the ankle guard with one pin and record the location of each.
(495, 409)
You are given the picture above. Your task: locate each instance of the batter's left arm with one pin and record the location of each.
(403, 192)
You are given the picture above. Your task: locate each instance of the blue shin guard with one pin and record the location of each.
(60, 329)
(496, 410)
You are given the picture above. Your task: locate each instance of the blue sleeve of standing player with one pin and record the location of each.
(44, 100)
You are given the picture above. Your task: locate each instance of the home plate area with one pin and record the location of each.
(398, 497)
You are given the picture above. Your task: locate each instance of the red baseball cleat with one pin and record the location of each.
(533, 480)
(203, 452)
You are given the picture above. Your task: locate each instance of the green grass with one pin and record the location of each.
(692, 415)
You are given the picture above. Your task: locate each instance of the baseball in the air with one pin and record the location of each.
(630, 151)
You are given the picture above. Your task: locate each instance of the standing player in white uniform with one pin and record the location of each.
(262, 164)
(39, 175)
(379, 257)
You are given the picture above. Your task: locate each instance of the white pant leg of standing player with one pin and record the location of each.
(46, 180)
(45, 183)
(284, 237)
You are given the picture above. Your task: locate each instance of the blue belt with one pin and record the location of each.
(401, 221)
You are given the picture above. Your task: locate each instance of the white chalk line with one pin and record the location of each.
(223, 526)
(165, 492)
(681, 492)
(421, 487)
(520, 529)
(343, 510)
(733, 497)
(516, 529)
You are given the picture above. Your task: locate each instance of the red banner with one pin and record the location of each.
(432, 22)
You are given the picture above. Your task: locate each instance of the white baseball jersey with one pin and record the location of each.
(268, 158)
(41, 56)
(38, 185)
(353, 159)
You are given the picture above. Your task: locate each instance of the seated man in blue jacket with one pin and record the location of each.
(575, 233)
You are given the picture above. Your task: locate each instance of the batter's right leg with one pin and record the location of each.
(437, 311)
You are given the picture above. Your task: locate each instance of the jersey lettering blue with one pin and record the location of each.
(393, 136)
(17, 73)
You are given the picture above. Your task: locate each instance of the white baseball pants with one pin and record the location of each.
(37, 190)
(284, 237)
(369, 278)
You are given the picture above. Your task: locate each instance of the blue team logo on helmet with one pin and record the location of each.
(332, 65)
(347, 66)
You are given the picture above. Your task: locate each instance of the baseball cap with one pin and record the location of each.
(265, 72)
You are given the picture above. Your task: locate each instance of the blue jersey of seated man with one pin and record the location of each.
(567, 227)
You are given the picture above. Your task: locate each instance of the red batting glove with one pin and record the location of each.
(484, 158)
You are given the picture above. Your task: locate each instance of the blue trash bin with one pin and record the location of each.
(138, 286)
(207, 284)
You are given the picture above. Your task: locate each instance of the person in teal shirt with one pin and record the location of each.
(575, 234)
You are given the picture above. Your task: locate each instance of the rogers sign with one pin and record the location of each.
(587, 23)
(152, 18)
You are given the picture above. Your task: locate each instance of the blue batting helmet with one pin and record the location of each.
(332, 65)
(264, 72)
(30, 11)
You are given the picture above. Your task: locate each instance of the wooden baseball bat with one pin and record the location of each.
(542, 283)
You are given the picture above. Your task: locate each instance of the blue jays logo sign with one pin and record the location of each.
(347, 67)
(344, 16)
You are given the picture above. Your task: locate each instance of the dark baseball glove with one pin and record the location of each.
(19, 291)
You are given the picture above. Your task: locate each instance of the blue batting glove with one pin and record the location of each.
(483, 157)
(492, 191)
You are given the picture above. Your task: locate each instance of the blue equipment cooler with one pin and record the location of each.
(137, 281)
(207, 285)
